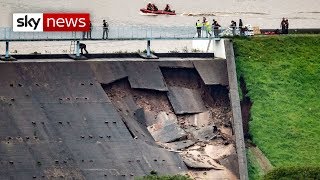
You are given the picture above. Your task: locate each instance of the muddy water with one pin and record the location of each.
(263, 13)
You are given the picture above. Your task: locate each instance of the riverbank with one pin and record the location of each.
(282, 79)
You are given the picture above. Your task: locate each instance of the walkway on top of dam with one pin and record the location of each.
(114, 33)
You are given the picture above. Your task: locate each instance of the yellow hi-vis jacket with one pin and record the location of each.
(199, 25)
(208, 26)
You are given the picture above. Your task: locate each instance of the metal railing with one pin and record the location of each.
(114, 33)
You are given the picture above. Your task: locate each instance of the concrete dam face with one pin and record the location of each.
(111, 119)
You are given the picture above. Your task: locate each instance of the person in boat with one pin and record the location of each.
(167, 8)
(150, 7)
(154, 7)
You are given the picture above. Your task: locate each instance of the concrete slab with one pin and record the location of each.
(71, 138)
(144, 75)
(181, 104)
(166, 118)
(219, 151)
(200, 119)
(205, 133)
(145, 117)
(231, 162)
(168, 133)
(166, 129)
(136, 129)
(108, 72)
(212, 72)
(178, 145)
(194, 159)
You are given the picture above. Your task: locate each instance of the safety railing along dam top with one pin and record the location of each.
(112, 33)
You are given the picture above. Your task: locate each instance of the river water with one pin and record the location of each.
(262, 13)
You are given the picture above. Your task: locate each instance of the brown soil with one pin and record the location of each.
(152, 100)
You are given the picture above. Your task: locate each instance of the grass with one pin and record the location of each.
(282, 74)
(254, 170)
(289, 173)
(154, 176)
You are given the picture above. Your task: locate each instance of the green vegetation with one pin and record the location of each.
(288, 173)
(254, 170)
(154, 176)
(282, 74)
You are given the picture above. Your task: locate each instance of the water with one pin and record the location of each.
(262, 13)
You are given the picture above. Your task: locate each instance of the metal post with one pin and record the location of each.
(5, 33)
(148, 49)
(7, 50)
(77, 49)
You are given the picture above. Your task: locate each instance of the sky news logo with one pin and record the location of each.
(46, 22)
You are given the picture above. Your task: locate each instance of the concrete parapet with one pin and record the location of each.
(236, 110)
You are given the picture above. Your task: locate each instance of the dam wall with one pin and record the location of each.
(119, 118)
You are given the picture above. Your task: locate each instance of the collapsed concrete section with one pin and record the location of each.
(190, 118)
(109, 120)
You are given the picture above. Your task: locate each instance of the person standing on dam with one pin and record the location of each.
(199, 27)
(283, 26)
(82, 47)
(216, 27)
(233, 26)
(89, 32)
(241, 27)
(105, 29)
(286, 26)
(208, 29)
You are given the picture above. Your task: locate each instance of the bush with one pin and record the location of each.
(288, 173)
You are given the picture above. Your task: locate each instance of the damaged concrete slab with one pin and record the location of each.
(205, 134)
(231, 162)
(185, 101)
(219, 151)
(145, 117)
(194, 159)
(143, 75)
(200, 119)
(212, 72)
(178, 145)
(168, 133)
(166, 129)
(108, 73)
